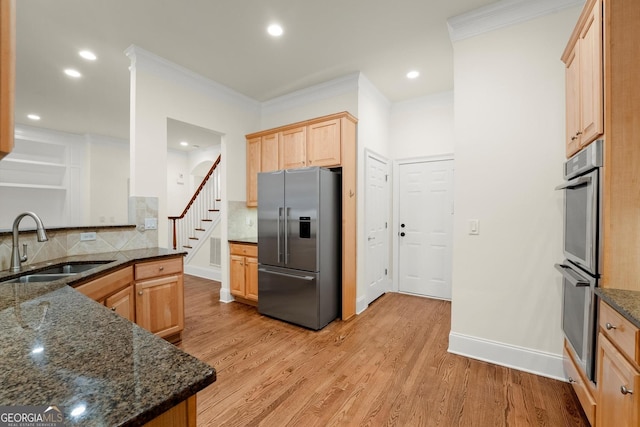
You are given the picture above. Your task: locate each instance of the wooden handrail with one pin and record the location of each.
(195, 195)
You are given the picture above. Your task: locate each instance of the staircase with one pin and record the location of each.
(190, 230)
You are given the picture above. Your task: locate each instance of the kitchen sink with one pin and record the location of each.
(56, 272)
(31, 278)
(71, 268)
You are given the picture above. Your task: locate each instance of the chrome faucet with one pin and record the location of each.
(16, 259)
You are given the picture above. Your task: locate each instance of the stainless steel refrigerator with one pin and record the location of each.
(299, 246)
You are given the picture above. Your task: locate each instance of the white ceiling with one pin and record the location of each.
(226, 41)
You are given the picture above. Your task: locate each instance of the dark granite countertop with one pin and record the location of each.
(252, 240)
(625, 302)
(62, 348)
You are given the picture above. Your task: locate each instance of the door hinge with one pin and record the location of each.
(385, 271)
(386, 178)
(385, 225)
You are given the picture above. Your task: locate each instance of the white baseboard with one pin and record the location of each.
(361, 304)
(520, 358)
(225, 295)
(206, 273)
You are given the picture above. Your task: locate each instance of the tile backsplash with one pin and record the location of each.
(65, 242)
(242, 221)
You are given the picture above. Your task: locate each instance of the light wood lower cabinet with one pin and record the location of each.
(150, 294)
(159, 289)
(181, 415)
(244, 271)
(584, 389)
(115, 290)
(618, 371)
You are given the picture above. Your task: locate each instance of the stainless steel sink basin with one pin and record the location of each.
(56, 272)
(31, 278)
(71, 268)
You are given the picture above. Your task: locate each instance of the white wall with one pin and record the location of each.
(178, 188)
(161, 89)
(509, 149)
(108, 180)
(422, 126)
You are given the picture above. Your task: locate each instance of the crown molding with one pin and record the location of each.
(369, 90)
(503, 14)
(335, 87)
(144, 60)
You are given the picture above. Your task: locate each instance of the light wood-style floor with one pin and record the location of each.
(387, 367)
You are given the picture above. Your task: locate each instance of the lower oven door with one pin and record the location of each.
(579, 311)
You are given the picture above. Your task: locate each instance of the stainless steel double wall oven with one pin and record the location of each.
(582, 240)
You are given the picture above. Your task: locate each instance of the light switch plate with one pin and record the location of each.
(88, 236)
(474, 227)
(150, 223)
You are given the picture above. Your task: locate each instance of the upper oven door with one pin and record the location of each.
(581, 220)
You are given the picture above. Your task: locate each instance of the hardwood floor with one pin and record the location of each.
(387, 367)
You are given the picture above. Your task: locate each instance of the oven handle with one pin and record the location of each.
(571, 277)
(576, 182)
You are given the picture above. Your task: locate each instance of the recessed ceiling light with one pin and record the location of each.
(413, 74)
(72, 73)
(184, 143)
(33, 116)
(88, 55)
(275, 30)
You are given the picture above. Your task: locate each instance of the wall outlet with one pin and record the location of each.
(150, 223)
(88, 236)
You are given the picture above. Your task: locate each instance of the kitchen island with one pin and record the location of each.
(63, 349)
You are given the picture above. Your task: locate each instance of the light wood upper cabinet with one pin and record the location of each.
(7, 74)
(584, 81)
(294, 148)
(253, 167)
(323, 143)
(270, 152)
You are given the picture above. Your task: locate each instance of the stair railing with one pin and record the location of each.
(198, 210)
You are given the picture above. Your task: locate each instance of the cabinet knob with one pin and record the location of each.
(573, 138)
(571, 380)
(625, 390)
(113, 309)
(609, 326)
(140, 293)
(578, 133)
(161, 268)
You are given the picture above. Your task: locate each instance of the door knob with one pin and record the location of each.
(402, 234)
(401, 225)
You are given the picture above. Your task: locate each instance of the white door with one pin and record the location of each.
(425, 225)
(376, 225)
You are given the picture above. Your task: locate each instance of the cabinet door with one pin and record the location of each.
(237, 286)
(294, 148)
(573, 103)
(7, 74)
(253, 167)
(160, 305)
(323, 143)
(618, 388)
(251, 278)
(122, 302)
(591, 83)
(269, 153)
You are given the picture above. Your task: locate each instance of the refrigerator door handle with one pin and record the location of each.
(279, 233)
(307, 278)
(286, 235)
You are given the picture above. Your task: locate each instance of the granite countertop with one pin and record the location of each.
(252, 240)
(62, 348)
(625, 302)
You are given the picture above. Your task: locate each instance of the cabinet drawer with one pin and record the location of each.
(100, 288)
(620, 331)
(244, 250)
(163, 267)
(580, 385)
